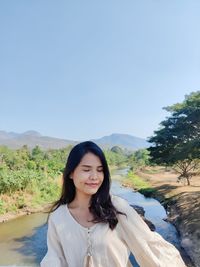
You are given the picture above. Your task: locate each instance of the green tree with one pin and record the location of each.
(116, 157)
(177, 142)
(117, 149)
(139, 159)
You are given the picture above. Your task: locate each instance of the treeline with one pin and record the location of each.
(177, 142)
(28, 169)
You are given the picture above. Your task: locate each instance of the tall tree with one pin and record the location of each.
(177, 142)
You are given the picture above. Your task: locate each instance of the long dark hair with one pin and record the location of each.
(100, 204)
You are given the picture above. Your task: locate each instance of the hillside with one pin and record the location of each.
(123, 140)
(33, 138)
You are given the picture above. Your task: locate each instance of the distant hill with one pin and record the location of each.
(123, 140)
(33, 138)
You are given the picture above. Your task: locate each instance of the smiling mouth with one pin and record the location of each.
(92, 185)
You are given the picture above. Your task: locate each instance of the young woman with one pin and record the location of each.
(90, 228)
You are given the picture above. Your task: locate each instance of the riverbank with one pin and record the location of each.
(182, 203)
(26, 211)
(24, 203)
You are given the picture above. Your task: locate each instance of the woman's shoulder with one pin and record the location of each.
(58, 214)
(123, 206)
(119, 202)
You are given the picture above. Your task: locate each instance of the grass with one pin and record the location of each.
(33, 197)
(139, 184)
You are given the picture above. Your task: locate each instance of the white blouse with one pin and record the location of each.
(68, 242)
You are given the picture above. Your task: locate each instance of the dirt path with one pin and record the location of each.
(183, 205)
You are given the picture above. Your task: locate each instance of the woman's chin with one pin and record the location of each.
(91, 191)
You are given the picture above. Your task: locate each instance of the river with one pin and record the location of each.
(23, 240)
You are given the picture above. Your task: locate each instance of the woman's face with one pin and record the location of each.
(88, 175)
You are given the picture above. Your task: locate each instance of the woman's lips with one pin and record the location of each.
(92, 184)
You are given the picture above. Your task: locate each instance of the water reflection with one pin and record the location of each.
(22, 240)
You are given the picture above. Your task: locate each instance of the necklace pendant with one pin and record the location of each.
(88, 261)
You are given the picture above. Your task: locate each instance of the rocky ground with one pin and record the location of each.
(183, 206)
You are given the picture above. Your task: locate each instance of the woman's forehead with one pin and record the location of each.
(90, 159)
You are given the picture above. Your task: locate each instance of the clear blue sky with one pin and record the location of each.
(84, 69)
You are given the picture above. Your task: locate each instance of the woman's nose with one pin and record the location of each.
(94, 175)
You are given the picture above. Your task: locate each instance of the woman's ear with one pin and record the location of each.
(71, 176)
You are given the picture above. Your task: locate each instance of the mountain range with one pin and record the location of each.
(32, 138)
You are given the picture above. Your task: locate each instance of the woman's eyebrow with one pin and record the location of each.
(89, 166)
(84, 165)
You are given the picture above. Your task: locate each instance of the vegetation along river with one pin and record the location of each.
(23, 240)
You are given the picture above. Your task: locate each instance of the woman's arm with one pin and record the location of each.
(55, 256)
(149, 248)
